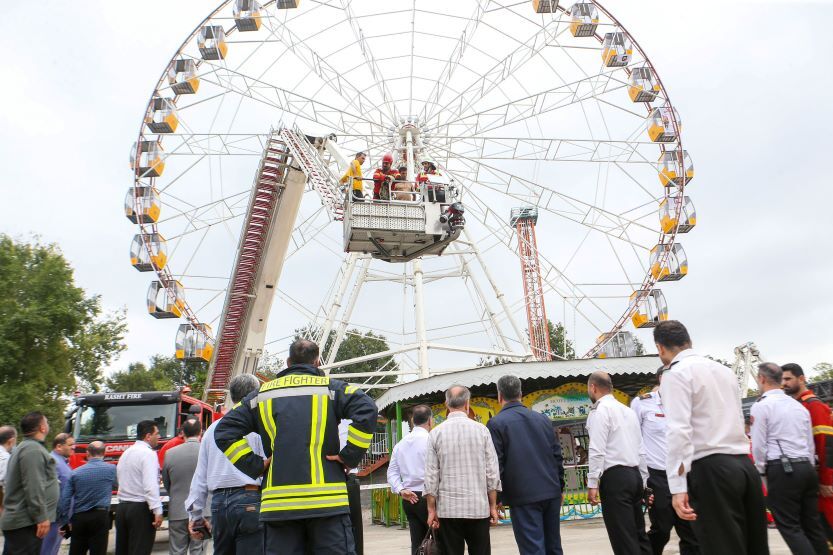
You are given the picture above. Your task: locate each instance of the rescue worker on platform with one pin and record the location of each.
(795, 385)
(384, 177)
(304, 504)
(354, 172)
(432, 195)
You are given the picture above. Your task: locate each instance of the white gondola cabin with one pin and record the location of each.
(142, 205)
(149, 162)
(148, 252)
(620, 344)
(545, 6)
(182, 76)
(668, 219)
(644, 86)
(661, 125)
(649, 307)
(194, 343)
(617, 49)
(401, 230)
(162, 117)
(165, 301)
(675, 265)
(212, 42)
(675, 169)
(584, 18)
(247, 15)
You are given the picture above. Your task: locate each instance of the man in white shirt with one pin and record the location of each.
(406, 474)
(782, 446)
(712, 481)
(650, 413)
(8, 439)
(235, 497)
(617, 468)
(139, 513)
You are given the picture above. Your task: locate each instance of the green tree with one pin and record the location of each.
(822, 371)
(357, 344)
(165, 373)
(639, 348)
(559, 344)
(53, 337)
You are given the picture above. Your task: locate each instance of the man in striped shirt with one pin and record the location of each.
(462, 479)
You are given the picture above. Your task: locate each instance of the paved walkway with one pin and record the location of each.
(585, 537)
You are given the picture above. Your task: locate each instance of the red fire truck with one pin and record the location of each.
(113, 417)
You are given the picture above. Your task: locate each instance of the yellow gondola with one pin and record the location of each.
(584, 18)
(675, 265)
(165, 302)
(661, 124)
(150, 162)
(247, 15)
(545, 6)
(617, 49)
(212, 42)
(644, 86)
(649, 308)
(142, 205)
(668, 219)
(162, 117)
(148, 252)
(675, 169)
(194, 343)
(182, 76)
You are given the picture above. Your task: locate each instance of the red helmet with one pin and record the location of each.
(388, 157)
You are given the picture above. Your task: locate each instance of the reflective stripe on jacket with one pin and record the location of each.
(297, 416)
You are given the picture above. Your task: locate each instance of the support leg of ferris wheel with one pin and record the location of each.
(419, 313)
(348, 312)
(522, 339)
(465, 270)
(347, 269)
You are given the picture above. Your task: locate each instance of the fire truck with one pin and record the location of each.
(113, 417)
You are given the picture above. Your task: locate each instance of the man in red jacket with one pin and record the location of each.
(383, 177)
(795, 384)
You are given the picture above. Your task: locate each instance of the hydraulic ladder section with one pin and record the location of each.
(320, 177)
(267, 231)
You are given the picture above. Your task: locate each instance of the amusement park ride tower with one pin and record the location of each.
(524, 220)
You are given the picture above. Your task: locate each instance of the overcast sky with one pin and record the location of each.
(752, 81)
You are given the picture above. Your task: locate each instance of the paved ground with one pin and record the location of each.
(585, 537)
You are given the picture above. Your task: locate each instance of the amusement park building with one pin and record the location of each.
(557, 389)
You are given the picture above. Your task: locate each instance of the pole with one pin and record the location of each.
(419, 311)
(338, 297)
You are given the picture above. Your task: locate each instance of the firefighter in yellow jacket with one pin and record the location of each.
(304, 504)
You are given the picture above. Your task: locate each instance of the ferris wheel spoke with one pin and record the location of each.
(370, 62)
(290, 102)
(532, 106)
(476, 173)
(545, 149)
(449, 69)
(319, 66)
(477, 89)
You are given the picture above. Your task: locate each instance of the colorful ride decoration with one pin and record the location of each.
(482, 410)
(566, 401)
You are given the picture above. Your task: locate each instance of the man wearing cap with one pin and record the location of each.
(651, 416)
(384, 177)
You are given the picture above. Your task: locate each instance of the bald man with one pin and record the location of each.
(618, 469)
(85, 503)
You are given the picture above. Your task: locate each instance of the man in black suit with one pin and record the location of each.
(531, 471)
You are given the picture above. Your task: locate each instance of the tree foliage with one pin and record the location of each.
(822, 371)
(53, 338)
(357, 344)
(165, 373)
(559, 344)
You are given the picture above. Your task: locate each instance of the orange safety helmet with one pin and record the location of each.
(388, 157)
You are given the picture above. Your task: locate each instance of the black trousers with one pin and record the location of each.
(328, 535)
(664, 518)
(621, 491)
(726, 493)
(135, 533)
(473, 532)
(793, 500)
(90, 532)
(21, 541)
(417, 515)
(354, 497)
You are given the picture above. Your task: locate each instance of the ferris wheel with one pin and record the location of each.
(536, 115)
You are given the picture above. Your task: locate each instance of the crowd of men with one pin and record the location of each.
(276, 474)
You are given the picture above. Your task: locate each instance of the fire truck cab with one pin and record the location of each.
(113, 418)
